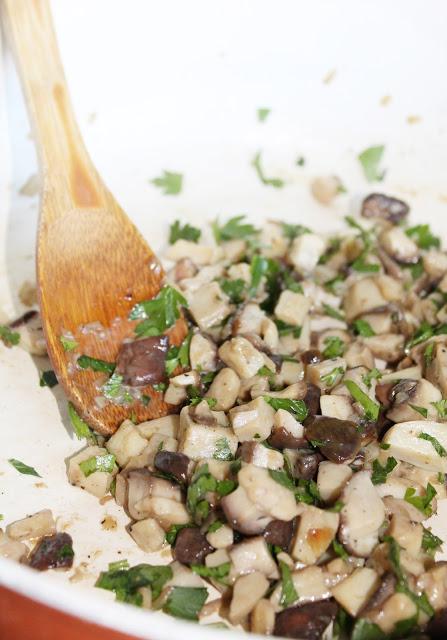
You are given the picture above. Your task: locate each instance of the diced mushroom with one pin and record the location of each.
(405, 444)
(253, 555)
(436, 372)
(241, 355)
(243, 514)
(224, 389)
(292, 308)
(410, 373)
(248, 320)
(146, 458)
(338, 440)
(304, 462)
(260, 455)
(126, 442)
(317, 374)
(143, 361)
(385, 589)
(380, 322)
(287, 433)
(437, 626)
(435, 263)
(362, 515)
(184, 268)
(167, 425)
(363, 296)
(280, 533)
(234, 250)
(39, 524)
(29, 327)
(335, 406)
(175, 464)
(407, 534)
(289, 373)
(399, 246)
(222, 538)
(270, 334)
(305, 252)
(12, 549)
(262, 619)
(378, 205)
(202, 353)
(355, 591)
(141, 486)
(167, 512)
(191, 546)
(204, 276)
(331, 480)
(97, 483)
(247, 591)
(52, 552)
(200, 254)
(252, 420)
(267, 494)
(183, 576)
(402, 507)
(434, 584)
(200, 440)
(397, 608)
(209, 306)
(148, 534)
(316, 530)
(388, 346)
(175, 395)
(312, 399)
(307, 621)
(325, 188)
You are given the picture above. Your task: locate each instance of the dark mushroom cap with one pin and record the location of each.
(338, 440)
(280, 438)
(191, 546)
(306, 464)
(383, 592)
(307, 622)
(312, 399)
(52, 552)
(437, 627)
(173, 463)
(142, 362)
(280, 533)
(378, 205)
(312, 356)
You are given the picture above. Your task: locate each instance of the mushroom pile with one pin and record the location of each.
(307, 440)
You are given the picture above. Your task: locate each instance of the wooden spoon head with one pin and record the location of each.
(93, 266)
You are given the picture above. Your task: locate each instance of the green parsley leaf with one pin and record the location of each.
(171, 534)
(178, 356)
(145, 399)
(233, 229)
(421, 410)
(333, 313)
(370, 407)
(234, 289)
(423, 237)
(363, 328)
(23, 468)
(296, 407)
(441, 408)
(423, 333)
(290, 282)
(380, 473)
(48, 379)
(362, 266)
(160, 386)
(430, 542)
(217, 573)
(337, 506)
(113, 389)
(366, 630)
(370, 160)
(104, 463)
(428, 353)
(285, 329)
(66, 551)
(185, 602)
(340, 550)
(332, 285)
(288, 591)
(170, 182)
(307, 492)
(423, 503)
(126, 582)
(10, 338)
(263, 113)
(416, 270)
(119, 564)
(281, 477)
(265, 372)
(292, 231)
(300, 161)
(329, 379)
(81, 428)
(158, 314)
(202, 482)
(185, 232)
(384, 445)
(215, 526)
(273, 182)
(87, 362)
(258, 268)
(69, 344)
(367, 378)
(222, 450)
(224, 487)
(365, 235)
(335, 347)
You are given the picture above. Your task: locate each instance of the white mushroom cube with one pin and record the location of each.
(168, 426)
(126, 442)
(316, 530)
(209, 306)
(292, 308)
(408, 534)
(319, 374)
(13, 549)
(224, 389)
(335, 406)
(405, 444)
(222, 538)
(435, 263)
(241, 355)
(388, 346)
(39, 524)
(202, 440)
(284, 420)
(305, 252)
(310, 585)
(253, 555)
(148, 534)
(247, 591)
(252, 420)
(268, 495)
(396, 608)
(437, 370)
(262, 619)
(353, 592)
(202, 353)
(249, 319)
(362, 296)
(398, 245)
(97, 483)
(332, 479)
(198, 253)
(261, 456)
(167, 512)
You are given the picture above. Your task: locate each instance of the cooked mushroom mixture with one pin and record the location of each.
(307, 443)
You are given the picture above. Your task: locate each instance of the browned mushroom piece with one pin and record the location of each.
(383, 392)
(143, 361)
(53, 552)
(378, 205)
(312, 399)
(437, 627)
(282, 439)
(24, 319)
(280, 533)
(191, 546)
(307, 622)
(312, 356)
(338, 440)
(383, 592)
(175, 464)
(306, 464)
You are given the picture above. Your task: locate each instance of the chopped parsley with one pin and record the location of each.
(8, 337)
(23, 468)
(118, 564)
(428, 353)
(234, 289)
(258, 268)
(170, 182)
(202, 483)
(215, 526)
(126, 582)
(160, 387)
(300, 161)
(421, 410)
(296, 407)
(363, 328)
(422, 333)
(370, 407)
(185, 232)
(367, 378)
(263, 113)
(329, 379)
(370, 160)
(292, 231)
(273, 182)
(87, 362)
(178, 356)
(430, 542)
(185, 602)
(423, 237)
(332, 312)
(362, 266)
(340, 550)
(335, 347)
(113, 389)
(222, 450)
(441, 408)
(218, 572)
(158, 314)
(234, 229)
(48, 379)
(285, 329)
(282, 477)
(423, 503)
(69, 344)
(104, 463)
(171, 534)
(80, 427)
(288, 591)
(380, 473)
(437, 446)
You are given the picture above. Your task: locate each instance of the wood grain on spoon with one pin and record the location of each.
(92, 263)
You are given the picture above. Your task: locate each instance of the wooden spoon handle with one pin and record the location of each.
(62, 153)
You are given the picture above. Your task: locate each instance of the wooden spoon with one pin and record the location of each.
(92, 263)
